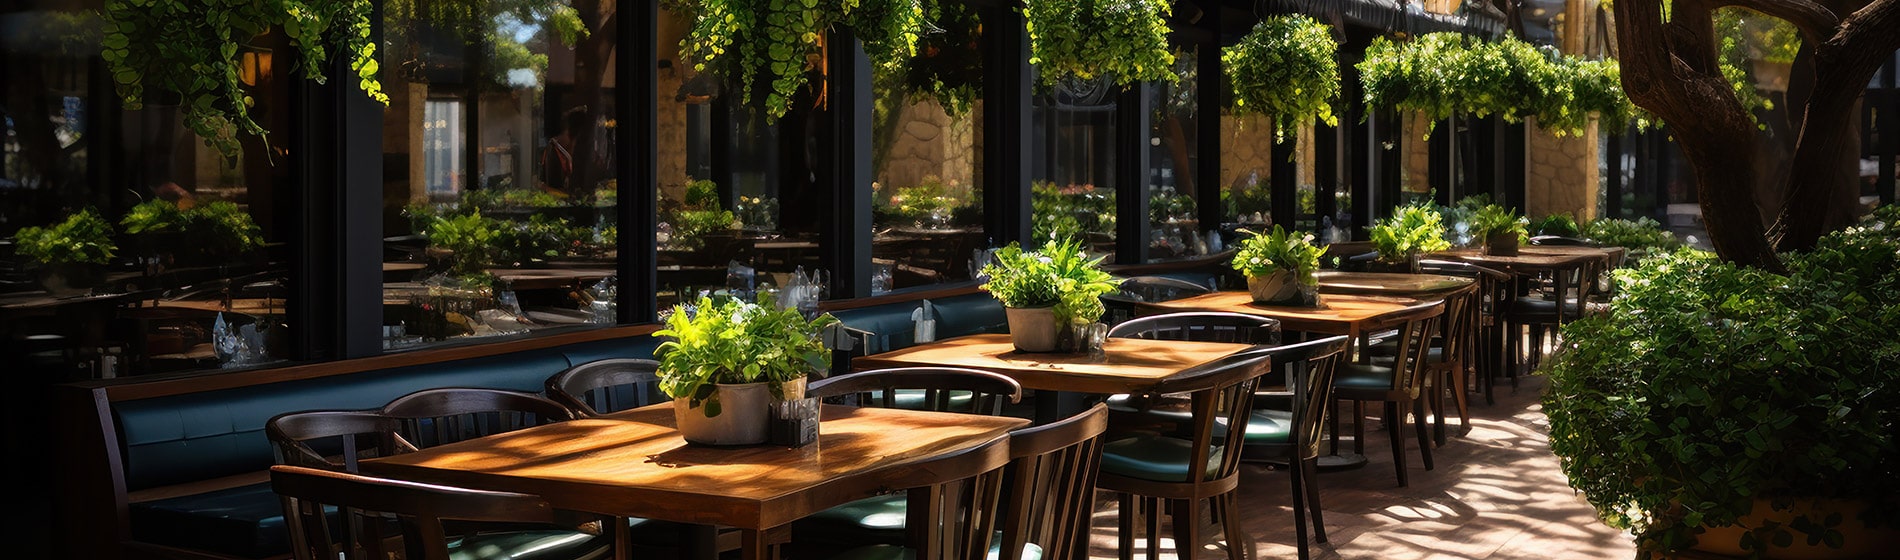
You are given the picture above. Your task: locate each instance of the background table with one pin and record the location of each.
(1348, 314)
(634, 464)
(1387, 283)
(1127, 365)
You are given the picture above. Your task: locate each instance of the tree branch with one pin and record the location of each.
(1816, 22)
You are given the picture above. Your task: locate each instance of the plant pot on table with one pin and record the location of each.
(1501, 244)
(1033, 329)
(1404, 265)
(1282, 287)
(70, 279)
(744, 417)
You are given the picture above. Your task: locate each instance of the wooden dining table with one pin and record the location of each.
(1347, 314)
(634, 464)
(1388, 283)
(1126, 365)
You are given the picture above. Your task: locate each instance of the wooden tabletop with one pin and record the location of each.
(547, 278)
(1386, 283)
(1128, 365)
(1528, 259)
(1348, 314)
(633, 463)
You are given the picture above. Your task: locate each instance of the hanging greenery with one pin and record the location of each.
(190, 49)
(1125, 39)
(1446, 74)
(744, 40)
(948, 67)
(1287, 69)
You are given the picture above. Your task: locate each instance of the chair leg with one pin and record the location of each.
(1436, 385)
(1184, 515)
(1359, 427)
(1309, 468)
(1125, 526)
(1298, 468)
(1461, 398)
(1393, 421)
(1239, 545)
(1424, 437)
(1151, 509)
(1333, 434)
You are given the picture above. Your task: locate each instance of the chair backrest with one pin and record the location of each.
(432, 417)
(363, 502)
(1416, 327)
(604, 386)
(1494, 286)
(942, 389)
(1558, 240)
(1202, 326)
(334, 439)
(954, 501)
(1460, 323)
(1121, 305)
(1314, 363)
(1051, 489)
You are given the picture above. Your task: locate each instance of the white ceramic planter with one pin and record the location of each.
(1277, 287)
(744, 415)
(1032, 329)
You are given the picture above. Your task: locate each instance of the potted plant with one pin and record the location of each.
(201, 234)
(71, 254)
(1501, 228)
(1044, 292)
(725, 361)
(1410, 231)
(1286, 68)
(1279, 267)
(1084, 39)
(1740, 411)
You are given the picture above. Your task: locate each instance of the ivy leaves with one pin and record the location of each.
(1083, 39)
(742, 40)
(1286, 68)
(191, 49)
(1444, 74)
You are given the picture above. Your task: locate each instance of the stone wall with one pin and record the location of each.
(930, 144)
(670, 140)
(1561, 175)
(1415, 155)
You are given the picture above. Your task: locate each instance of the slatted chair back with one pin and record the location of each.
(1315, 362)
(954, 505)
(432, 417)
(1051, 488)
(362, 532)
(334, 439)
(1418, 324)
(1202, 326)
(1121, 305)
(607, 386)
(941, 389)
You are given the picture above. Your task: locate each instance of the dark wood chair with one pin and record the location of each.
(954, 508)
(1175, 469)
(361, 531)
(1121, 305)
(1485, 352)
(1286, 426)
(1399, 383)
(877, 519)
(334, 439)
(606, 386)
(940, 389)
(432, 417)
(1051, 489)
(1202, 326)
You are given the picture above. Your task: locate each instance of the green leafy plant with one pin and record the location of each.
(1287, 68)
(1410, 230)
(1083, 39)
(1069, 212)
(731, 341)
(744, 41)
(756, 212)
(1446, 74)
(217, 227)
(1059, 275)
(929, 202)
(190, 48)
(948, 66)
(82, 237)
(1556, 224)
(467, 244)
(1710, 386)
(1166, 205)
(1247, 200)
(1492, 219)
(1260, 255)
(1640, 236)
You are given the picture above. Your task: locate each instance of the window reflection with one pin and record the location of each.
(1073, 193)
(1174, 225)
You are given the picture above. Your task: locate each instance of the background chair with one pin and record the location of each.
(1291, 433)
(1121, 305)
(606, 386)
(1486, 351)
(361, 532)
(432, 417)
(884, 519)
(1052, 474)
(1393, 385)
(334, 439)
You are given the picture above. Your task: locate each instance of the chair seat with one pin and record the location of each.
(1162, 408)
(1270, 426)
(1363, 376)
(877, 519)
(895, 552)
(1156, 458)
(913, 399)
(531, 545)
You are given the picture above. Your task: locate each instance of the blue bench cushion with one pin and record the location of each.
(246, 521)
(890, 326)
(969, 314)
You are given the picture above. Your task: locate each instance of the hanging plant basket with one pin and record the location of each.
(1286, 69)
(1126, 40)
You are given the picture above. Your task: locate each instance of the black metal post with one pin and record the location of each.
(337, 293)
(1888, 131)
(1207, 122)
(638, 174)
(847, 236)
(1006, 126)
(1133, 128)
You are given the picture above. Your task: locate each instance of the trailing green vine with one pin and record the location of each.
(190, 48)
(1126, 39)
(1445, 74)
(745, 40)
(1286, 68)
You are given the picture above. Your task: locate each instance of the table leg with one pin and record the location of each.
(753, 545)
(1054, 406)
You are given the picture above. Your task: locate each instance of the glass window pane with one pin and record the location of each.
(1174, 225)
(1073, 169)
(927, 198)
(499, 172)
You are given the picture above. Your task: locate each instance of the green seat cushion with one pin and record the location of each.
(877, 519)
(552, 544)
(913, 399)
(1270, 426)
(1163, 408)
(1363, 376)
(1152, 457)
